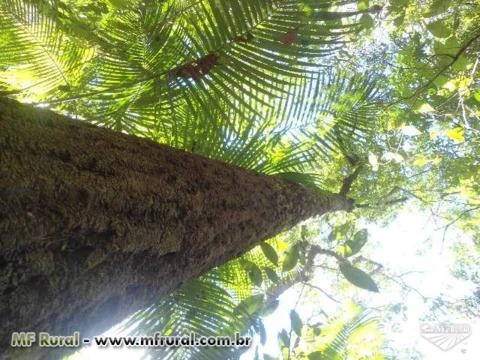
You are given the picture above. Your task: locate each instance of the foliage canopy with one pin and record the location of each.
(314, 91)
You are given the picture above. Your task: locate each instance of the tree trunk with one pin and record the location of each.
(96, 224)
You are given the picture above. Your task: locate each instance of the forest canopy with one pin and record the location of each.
(377, 102)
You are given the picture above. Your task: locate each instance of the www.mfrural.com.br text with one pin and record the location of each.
(45, 339)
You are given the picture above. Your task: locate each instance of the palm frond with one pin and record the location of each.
(35, 50)
(220, 303)
(148, 68)
(335, 339)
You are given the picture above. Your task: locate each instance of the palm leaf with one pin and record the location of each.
(149, 64)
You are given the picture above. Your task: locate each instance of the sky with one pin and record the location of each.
(410, 243)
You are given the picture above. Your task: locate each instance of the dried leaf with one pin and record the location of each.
(290, 36)
(197, 69)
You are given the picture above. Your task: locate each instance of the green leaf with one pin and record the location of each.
(476, 95)
(254, 272)
(362, 5)
(358, 277)
(367, 21)
(359, 240)
(449, 47)
(439, 29)
(304, 232)
(316, 355)
(461, 63)
(272, 275)
(441, 80)
(250, 305)
(306, 9)
(332, 236)
(399, 20)
(118, 3)
(456, 134)
(425, 108)
(341, 231)
(262, 332)
(296, 322)
(291, 258)
(284, 338)
(438, 7)
(269, 253)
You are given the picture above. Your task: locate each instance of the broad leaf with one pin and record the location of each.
(296, 322)
(316, 355)
(272, 275)
(439, 29)
(254, 272)
(269, 253)
(358, 277)
(291, 258)
(359, 240)
(284, 338)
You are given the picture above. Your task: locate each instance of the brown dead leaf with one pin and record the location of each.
(290, 36)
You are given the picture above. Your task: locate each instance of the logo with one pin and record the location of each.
(445, 335)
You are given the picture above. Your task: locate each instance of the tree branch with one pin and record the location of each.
(348, 181)
(316, 250)
(440, 72)
(390, 202)
(323, 292)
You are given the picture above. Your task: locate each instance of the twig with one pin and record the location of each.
(315, 250)
(323, 292)
(455, 220)
(390, 202)
(402, 284)
(348, 181)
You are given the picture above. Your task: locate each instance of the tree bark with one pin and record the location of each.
(96, 224)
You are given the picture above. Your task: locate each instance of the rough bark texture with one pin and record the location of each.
(95, 224)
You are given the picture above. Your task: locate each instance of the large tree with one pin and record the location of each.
(95, 223)
(236, 105)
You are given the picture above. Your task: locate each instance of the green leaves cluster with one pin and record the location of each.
(257, 89)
